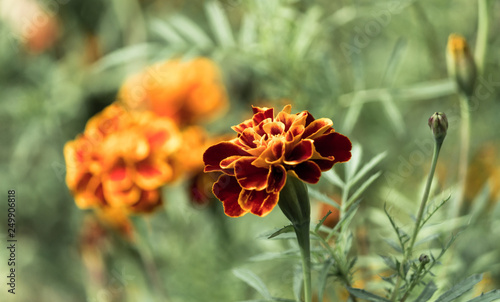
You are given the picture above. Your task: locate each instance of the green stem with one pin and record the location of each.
(464, 152)
(409, 251)
(414, 283)
(482, 34)
(303, 239)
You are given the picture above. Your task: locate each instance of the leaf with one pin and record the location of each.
(367, 167)
(167, 32)
(219, 24)
(248, 31)
(252, 280)
(352, 166)
(285, 229)
(363, 294)
(389, 262)
(122, 56)
(487, 297)
(306, 32)
(393, 244)
(191, 31)
(320, 223)
(460, 289)
(427, 293)
(322, 197)
(334, 178)
(362, 188)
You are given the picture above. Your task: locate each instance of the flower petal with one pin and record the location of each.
(308, 171)
(249, 176)
(317, 128)
(276, 179)
(216, 153)
(300, 153)
(259, 203)
(334, 144)
(261, 114)
(227, 190)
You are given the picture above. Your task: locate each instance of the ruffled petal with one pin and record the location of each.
(334, 144)
(261, 114)
(300, 153)
(249, 176)
(216, 153)
(308, 171)
(151, 174)
(259, 203)
(276, 179)
(227, 190)
(317, 128)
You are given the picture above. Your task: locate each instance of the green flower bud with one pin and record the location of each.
(424, 259)
(439, 125)
(461, 64)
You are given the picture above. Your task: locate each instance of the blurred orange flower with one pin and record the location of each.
(35, 26)
(121, 160)
(185, 91)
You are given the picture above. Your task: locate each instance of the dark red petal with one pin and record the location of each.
(259, 203)
(308, 171)
(300, 153)
(241, 127)
(247, 138)
(227, 190)
(216, 153)
(309, 118)
(334, 144)
(261, 114)
(324, 164)
(276, 179)
(317, 127)
(249, 176)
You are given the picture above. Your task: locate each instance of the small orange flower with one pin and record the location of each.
(35, 26)
(121, 160)
(267, 148)
(461, 64)
(185, 91)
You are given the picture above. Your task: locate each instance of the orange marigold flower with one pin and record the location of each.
(121, 160)
(185, 91)
(256, 163)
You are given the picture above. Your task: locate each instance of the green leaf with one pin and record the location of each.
(322, 197)
(363, 294)
(367, 167)
(460, 289)
(297, 283)
(122, 56)
(166, 31)
(248, 31)
(362, 188)
(285, 229)
(427, 293)
(191, 31)
(334, 178)
(219, 24)
(320, 223)
(487, 297)
(306, 32)
(352, 166)
(252, 280)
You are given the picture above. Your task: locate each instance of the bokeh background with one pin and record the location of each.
(376, 68)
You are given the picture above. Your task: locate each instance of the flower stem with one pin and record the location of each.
(409, 251)
(482, 34)
(303, 239)
(464, 152)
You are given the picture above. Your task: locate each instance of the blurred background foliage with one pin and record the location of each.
(376, 68)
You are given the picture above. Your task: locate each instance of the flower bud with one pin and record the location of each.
(461, 65)
(439, 125)
(424, 259)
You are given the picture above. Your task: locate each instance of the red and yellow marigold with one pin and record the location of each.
(121, 160)
(267, 148)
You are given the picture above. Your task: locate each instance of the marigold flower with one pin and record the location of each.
(185, 91)
(255, 164)
(121, 160)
